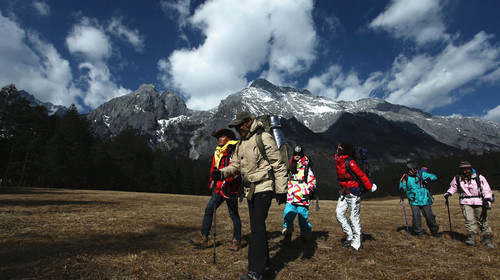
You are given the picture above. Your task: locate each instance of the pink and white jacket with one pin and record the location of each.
(298, 189)
(469, 193)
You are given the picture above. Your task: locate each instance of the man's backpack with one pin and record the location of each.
(272, 125)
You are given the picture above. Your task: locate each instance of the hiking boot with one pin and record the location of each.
(235, 245)
(287, 239)
(487, 242)
(287, 231)
(436, 234)
(251, 276)
(347, 243)
(200, 241)
(471, 240)
(352, 249)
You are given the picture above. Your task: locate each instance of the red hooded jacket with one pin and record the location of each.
(348, 184)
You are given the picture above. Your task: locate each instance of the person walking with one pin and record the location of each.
(225, 191)
(413, 183)
(301, 188)
(352, 181)
(257, 174)
(475, 199)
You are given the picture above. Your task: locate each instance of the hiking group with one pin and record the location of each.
(257, 167)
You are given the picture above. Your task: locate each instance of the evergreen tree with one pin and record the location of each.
(67, 152)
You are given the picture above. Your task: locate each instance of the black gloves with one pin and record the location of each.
(487, 204)
(217, 175)
(446, 195)
(312, 194)
(281, 198)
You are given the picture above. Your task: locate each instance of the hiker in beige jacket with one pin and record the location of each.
(256, 173)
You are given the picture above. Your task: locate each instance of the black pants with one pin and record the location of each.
(258, 249)
(430, 218)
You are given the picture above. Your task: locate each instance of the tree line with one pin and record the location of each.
(43, 150)
(38, 149)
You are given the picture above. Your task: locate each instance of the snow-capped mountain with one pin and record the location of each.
(391, 132)
(51, 108)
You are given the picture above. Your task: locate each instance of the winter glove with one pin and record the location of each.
(281, 198)
(374, 188)
(311, 195)
(487, 203)
(446, 195)
(217, 175)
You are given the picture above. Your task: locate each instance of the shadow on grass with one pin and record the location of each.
(22, 190)
(298, 248)
(38, 203)
(20, 258)
(456, 235)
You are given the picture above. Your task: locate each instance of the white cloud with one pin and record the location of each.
(493, 114)
(178, 10)
(100, 87)
(90, 40)
(240, 38)
(336, 85)
(418, 20)
(131, 36)
(417, 81)
(41, 7)
(34, 65)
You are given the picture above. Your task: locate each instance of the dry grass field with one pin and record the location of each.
(80, 234)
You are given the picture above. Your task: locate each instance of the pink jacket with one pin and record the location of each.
(469, 193)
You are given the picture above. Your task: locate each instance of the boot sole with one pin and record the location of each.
(197, 245)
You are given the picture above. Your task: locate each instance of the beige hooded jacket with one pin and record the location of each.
(248, 161)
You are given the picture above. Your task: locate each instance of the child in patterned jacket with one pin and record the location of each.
(301, 188)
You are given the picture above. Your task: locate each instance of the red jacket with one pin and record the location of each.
(231, 185)
(348, 184)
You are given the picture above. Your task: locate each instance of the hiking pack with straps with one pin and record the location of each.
(479, 188)
(361, 160)
(272, 125)
(423, 183)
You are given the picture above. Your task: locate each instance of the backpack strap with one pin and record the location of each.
(479, 188)
(306, 172)
(260, 145)
(353, 175)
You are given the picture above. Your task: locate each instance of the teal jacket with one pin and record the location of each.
(415, 190)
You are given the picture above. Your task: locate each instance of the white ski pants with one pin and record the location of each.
(351, 227)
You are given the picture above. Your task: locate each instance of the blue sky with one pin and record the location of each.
(439, 56)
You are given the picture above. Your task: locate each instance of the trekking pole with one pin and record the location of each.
(317, 203)
(214, 187)
(406, 219)
(449, 216)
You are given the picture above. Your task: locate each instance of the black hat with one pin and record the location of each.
(411, 164)
(239, 118)
(298, 151)
(224, 131)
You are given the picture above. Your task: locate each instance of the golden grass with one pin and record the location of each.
(79, 234)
